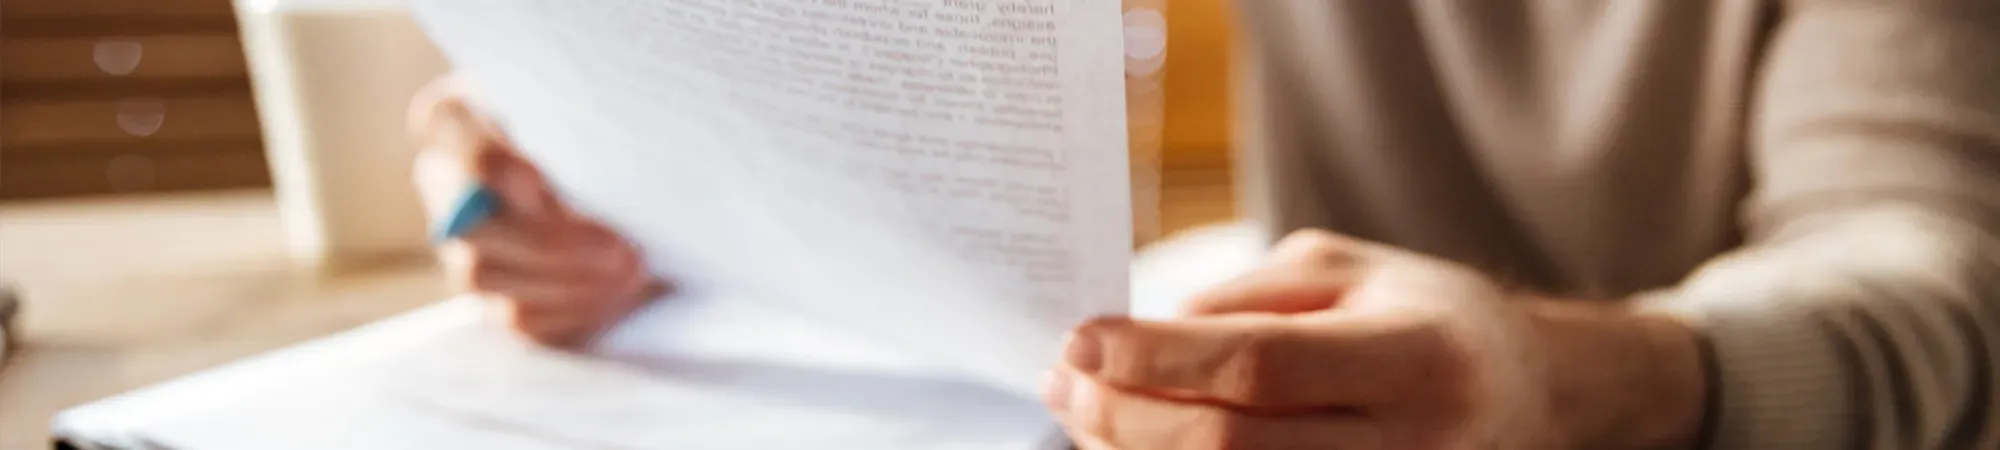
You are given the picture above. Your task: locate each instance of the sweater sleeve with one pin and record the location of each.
(1865, 311)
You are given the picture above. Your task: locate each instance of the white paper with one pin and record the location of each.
(945, 176)
(446, 377)
(696, 373)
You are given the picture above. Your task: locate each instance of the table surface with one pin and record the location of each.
(123, 292)
(120, 293)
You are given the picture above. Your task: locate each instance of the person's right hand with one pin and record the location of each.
(559, 277)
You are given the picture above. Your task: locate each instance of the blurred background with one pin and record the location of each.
(188, 182)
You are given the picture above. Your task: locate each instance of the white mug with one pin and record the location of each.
(333, 79)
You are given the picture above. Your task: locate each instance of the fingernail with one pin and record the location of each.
(1055, 390)
(1083, 350)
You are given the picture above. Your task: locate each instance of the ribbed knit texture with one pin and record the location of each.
(1815, 185)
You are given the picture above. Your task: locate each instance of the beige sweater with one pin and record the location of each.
(1815, 183)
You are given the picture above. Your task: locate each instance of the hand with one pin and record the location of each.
(1341, 344)
(560, 278)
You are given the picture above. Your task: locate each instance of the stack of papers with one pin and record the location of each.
(692, 373)
(448, 377)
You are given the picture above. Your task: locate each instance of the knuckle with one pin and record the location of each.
(1317, 246)
(1256, 368)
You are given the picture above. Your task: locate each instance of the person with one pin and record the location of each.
(1556, 224)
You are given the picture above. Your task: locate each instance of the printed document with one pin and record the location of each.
(947, 177)
(882, 216)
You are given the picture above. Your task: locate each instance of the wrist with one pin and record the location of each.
(1618, 379)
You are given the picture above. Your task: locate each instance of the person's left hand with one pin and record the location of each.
(1341, 344)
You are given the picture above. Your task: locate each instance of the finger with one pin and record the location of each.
(1261, 361)
(510, 241)
(496, 251)
(555, 246)
(480, 270)
(463, 147)
(523, 190)
(522, 285)
(577, 321)
(568, 323)
(1105, 416)
(1276, 288)
(1308, 270)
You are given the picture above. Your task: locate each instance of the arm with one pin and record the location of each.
(1867, 307)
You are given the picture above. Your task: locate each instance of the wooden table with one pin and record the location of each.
(124, 292)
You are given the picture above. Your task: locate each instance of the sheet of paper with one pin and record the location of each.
(684, 375)
(446, 377)
(947, 176)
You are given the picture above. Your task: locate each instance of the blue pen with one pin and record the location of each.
(471, 210)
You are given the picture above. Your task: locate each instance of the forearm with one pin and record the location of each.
(1871, 325)
(1862, 314)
